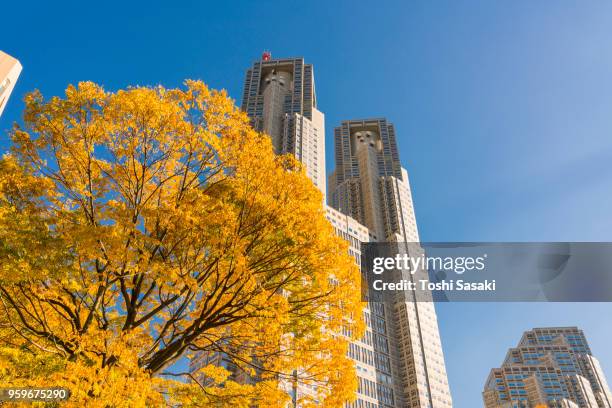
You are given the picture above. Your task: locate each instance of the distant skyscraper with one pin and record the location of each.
(10, 69)
(550, 367)
(399, 360)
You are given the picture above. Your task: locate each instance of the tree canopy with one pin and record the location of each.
(141, 227)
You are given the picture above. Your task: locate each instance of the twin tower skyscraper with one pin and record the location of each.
(399, 361)
(369, 183)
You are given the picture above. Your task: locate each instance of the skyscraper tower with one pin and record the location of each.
(279, 97)
(370, 185)
(399, 360)
(551, 367)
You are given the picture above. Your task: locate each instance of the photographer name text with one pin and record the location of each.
(445, 285)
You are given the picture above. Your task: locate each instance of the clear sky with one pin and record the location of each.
(503, 111)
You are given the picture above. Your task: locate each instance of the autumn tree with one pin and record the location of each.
(140, 227)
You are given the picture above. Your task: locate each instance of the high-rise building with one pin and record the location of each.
(10, 69)
(370, 185)
(550, 367)
(279, 97)
(399, 360)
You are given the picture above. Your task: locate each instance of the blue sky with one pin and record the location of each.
(503, 112)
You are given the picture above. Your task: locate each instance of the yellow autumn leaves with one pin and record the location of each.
(142, 227)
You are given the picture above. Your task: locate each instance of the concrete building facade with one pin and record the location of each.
(550, 367)
(10, 69)
(279, 96)
(370, 185)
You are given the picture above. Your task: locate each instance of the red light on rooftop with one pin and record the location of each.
(266, 56)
